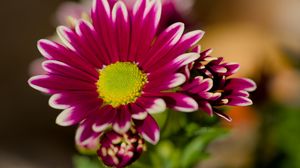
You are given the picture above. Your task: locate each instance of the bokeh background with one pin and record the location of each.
(262, 35)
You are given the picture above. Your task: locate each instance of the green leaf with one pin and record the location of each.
(194, 150)
(165, 155)
(175, 121)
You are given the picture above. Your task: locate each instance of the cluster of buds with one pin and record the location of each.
(118, 150)
(211, 86)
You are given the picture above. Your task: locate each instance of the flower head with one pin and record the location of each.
(121, 150)
(116, 70)
(211, 86)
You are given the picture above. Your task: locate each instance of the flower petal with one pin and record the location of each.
(239, 101)
(76, 114)
(164, 43)
(79, 43)
(138, 112)
(88, 36)
(150, 20)
(240, 84)
(121, 21)
(138, 13)
(122, 120)
(180, 102)
(152, 105)
(232, 68)
(55, 51)
(199, 85)
(177, 63)
(60, 68)
(206, 107)
(103, 118)
(66, 100)
(54, 84)
(149, 129)
(85, 135)
(168, 82)
(186, 42)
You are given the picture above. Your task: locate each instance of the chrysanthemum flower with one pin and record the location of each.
(115, 72)
(211, 86)
(120, 150)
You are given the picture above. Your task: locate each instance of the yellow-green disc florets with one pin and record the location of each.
(120, 83)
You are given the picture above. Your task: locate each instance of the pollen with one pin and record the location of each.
(121, 83)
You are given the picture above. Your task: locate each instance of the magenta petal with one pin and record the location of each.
(70, 117)
(186, 42)
(204, 56)
(164, 43)
(206, 95)
(121, 21)
(88, 36)
(186, 71)
(177, 63)
(54, 84)
(197, 49)
(65, 100)
(80, 43)
(103, 118)
(196, 81)
(214, 96)
(49, 49)
(137, 20)
(218, 69)
(184, 59)
(180, 102)
(240, 84)
(232, 68)
(151, 17)
(206, 107)
(151, 104)
(149, 129)
(84, 134)
(60, 68)
(137, 112)
(77, 113)
(55, 51)
(239, 101)
(204, 85)
(168, 82)
(122, 120)
(102, 22)
(239, 93)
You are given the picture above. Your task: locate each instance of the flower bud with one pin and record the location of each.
(118, 150)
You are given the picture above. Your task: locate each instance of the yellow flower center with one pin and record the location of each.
(121, 83)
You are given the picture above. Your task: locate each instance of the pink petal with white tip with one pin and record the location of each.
(180, 102)
(149, 129)
(122, 120)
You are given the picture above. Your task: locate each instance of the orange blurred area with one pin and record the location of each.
(241, 116)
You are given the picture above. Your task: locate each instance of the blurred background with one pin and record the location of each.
(262, 35)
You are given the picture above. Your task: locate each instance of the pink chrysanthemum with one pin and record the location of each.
(115, 71)
(212, 87)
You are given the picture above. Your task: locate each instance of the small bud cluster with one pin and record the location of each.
(120, 150)
(211, 86)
